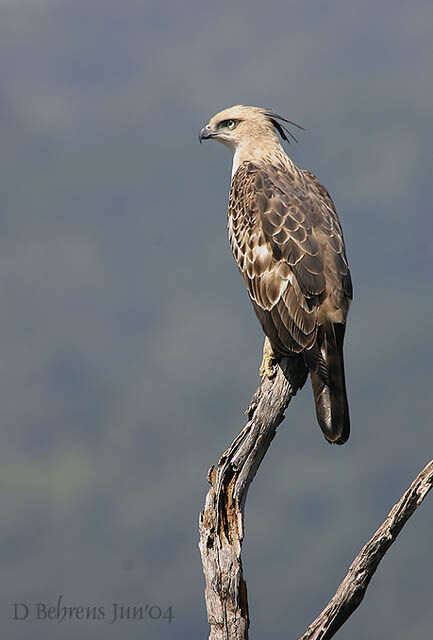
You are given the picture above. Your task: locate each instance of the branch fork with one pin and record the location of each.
(221, 524)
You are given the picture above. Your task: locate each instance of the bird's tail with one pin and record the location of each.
(326, 367)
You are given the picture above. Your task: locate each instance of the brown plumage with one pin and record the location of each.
(288, 244)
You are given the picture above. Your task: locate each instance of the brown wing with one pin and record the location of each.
(287, 242)
(330, 224)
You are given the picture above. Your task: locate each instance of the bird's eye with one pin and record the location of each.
(230, 124)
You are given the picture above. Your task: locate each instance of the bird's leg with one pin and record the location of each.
(268, 368)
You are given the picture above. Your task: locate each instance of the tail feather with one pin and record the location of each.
(326, 365)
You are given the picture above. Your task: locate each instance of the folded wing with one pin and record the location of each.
(288, 244)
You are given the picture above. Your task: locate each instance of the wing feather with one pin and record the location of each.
(287, 241)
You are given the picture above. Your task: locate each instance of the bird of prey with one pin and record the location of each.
(288, 244)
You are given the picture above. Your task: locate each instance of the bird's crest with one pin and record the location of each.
(284, 131)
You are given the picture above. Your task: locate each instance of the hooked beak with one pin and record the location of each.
(206, 133)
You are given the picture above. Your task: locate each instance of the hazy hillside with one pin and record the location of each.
(129, 346)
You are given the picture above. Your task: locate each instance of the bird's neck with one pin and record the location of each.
(261, 154)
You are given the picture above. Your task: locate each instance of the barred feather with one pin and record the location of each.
(287, 241)
(288, 244)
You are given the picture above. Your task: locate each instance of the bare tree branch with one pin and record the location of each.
(351, 591)
(221, 523)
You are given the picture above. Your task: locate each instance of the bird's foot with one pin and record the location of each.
(268, 367)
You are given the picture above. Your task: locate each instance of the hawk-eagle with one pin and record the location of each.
(287, 241)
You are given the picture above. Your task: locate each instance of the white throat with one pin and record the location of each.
(253, 152)
(236, 161)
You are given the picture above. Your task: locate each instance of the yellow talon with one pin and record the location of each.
(267, 368)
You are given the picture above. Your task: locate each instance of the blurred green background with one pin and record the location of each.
(129, 347)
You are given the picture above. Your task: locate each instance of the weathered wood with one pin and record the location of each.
(351, 591)
(221, 524)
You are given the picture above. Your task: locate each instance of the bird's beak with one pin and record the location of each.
(206, 133)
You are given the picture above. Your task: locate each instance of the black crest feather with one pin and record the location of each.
(284, 132)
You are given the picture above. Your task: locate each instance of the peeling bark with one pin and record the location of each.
(221, 524)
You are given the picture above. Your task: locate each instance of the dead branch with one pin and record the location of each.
(221, 524)
(351, 591)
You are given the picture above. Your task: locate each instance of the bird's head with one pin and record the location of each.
(239, 125)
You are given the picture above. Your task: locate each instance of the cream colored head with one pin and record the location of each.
(239, 126)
